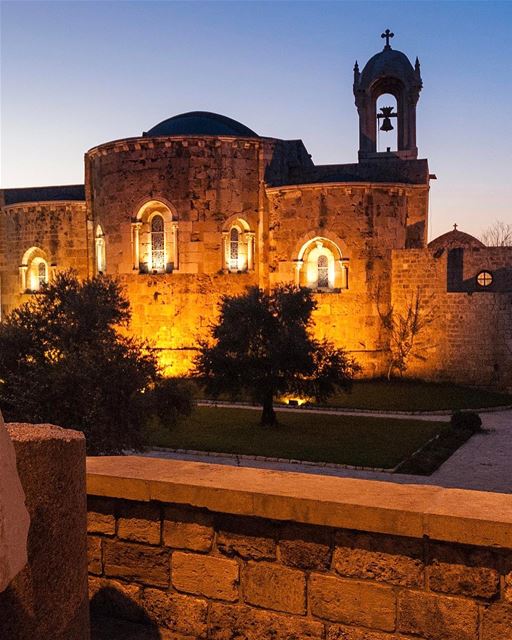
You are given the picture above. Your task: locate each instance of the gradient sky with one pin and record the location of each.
(76, 74)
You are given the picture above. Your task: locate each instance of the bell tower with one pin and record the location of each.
(387, 72)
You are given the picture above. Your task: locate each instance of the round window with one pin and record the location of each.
(484, 279)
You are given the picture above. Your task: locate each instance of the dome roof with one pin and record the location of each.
(385, 64)
(200, 123)
(455, 239)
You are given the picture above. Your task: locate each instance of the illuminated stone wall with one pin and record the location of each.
(291, 212)
(57, 228)
(470, 338)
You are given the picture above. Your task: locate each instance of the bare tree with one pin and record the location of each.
(498, 235)
(404, 328)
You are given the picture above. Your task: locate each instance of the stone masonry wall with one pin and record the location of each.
(190, 573)
(57, 228)
(470, 338)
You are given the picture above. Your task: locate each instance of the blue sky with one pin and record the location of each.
(76, 74)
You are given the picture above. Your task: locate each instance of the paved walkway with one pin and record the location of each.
(483, 463)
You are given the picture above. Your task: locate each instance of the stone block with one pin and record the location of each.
(115, 599)
(187, 529)
(141, 563)
(352, 602)
(179, 613)
(497, 622)
(249, 538)
(207, 576)
(14, 517)
(48, 599)
(305, 547)
(101, 515)
(342, 632)
(381, 558)
(234, 622)
(272, 586)
(469, 572)
(436, 617)
(101, 523)
(139, 522)
(94, 555)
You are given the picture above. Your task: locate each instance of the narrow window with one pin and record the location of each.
(323, 272)
(42, 274)
(157, 243)
(234, 241)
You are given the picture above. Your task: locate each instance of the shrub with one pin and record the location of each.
(466, 420)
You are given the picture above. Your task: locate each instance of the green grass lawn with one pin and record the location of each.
(354, 440)
(408, 395)
(412, 395)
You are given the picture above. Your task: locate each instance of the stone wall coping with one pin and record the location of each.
(451, 515)
(347, 184)
(38, 203)
(147, 141)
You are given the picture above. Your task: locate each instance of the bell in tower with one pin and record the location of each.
(387, 72)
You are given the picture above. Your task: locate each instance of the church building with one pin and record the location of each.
(200, 205)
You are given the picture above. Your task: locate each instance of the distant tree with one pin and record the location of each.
(64, 361)
(404, 328)
(498, 235)
(263, 344)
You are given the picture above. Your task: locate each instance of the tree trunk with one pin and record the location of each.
(268, 415)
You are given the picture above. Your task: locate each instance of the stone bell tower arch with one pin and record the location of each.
(389, 71)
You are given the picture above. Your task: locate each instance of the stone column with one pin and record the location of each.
(23, 277)
(48, 600)
(136, 244)
(225, 251)
(175, 256)
(250, 249)
(14, 518)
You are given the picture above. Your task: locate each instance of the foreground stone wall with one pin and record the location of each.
(48, 599)
(470, 338)
(202, 551)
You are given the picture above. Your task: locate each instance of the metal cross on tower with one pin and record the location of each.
(387, 34)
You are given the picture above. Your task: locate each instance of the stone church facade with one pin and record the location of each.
(200, 206)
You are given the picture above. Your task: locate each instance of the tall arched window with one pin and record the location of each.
(157, 243)
(101, 262)
(322, 272)
(238, 246)
(320, 266)
(234, 253)
(42, 274)
(34, 270)
(155, 238)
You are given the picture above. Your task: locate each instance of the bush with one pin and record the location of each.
(466, 421)
(168, 400)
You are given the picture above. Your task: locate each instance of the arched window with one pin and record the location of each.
(323, 272)
(234, 241)
(321, 266)
(155, 238)
(42, 274)
(34, 270)
(157, 243)
(101, 263)
(238, 247)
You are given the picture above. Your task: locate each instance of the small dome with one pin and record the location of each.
(455, 239)
(387, 64)
(200, 123)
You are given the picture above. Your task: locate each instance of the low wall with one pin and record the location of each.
(48, 600)
(192, 550)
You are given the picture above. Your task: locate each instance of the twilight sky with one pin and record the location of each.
(76, 74)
